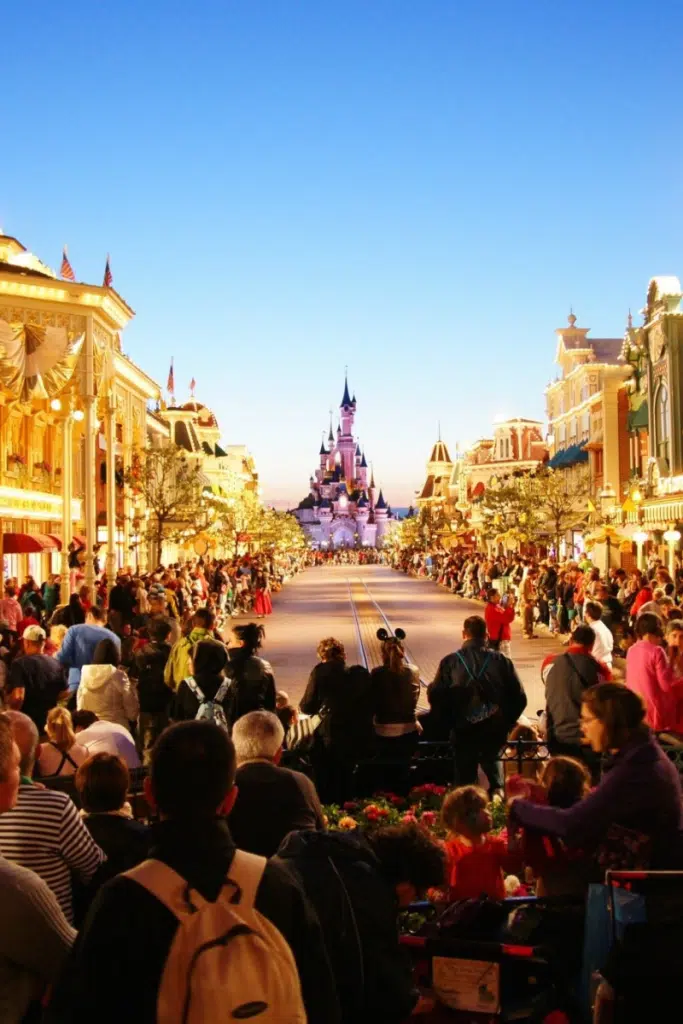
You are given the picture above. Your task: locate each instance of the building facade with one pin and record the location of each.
(343, 509)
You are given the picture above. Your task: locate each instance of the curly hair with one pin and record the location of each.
(331, 649)
(462, 805)
(408, 853)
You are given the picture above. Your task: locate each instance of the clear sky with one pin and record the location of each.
(420, 190)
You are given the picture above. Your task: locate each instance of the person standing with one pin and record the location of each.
(105, 688)
(154, 695)
(529, 596)
(36, 681)
(499, 618)
(604, 638)
(80, 642)
(478, 693)
(262, 602)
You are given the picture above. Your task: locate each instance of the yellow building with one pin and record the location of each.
(72, 409)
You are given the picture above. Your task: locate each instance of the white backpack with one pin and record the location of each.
(210, 710)
(227, 962)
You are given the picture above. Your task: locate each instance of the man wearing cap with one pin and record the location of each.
(35, 680)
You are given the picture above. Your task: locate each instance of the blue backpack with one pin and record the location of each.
(210, 710)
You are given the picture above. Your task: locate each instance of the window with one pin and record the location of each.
(662, 421)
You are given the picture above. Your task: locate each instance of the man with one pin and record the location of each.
(178, 666)
(271, 801)
(357, 884)
(604, 639)
(612, 609)
(478, 693)
(121, 952)
(158, 610)
(35, 682)
(44, 831)
(35, 937)
(121, 601)
(529, 597)
(154, 695)
(568, 676)
(80, 642)
(99, 737)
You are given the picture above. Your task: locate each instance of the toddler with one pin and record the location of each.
(475, 858)
(558, 870)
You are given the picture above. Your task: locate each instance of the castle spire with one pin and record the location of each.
(346, 400)
(330, 436)
(372, 475)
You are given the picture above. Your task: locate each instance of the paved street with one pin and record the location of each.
(349, 602)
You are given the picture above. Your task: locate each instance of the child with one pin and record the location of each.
(558, 870)
(532, 756)
(475, 859)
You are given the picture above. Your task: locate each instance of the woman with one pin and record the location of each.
(639, 792)
(60, 754)
(395, 688)
(253, 684)
(207, 683)
(262, 603)
(649, 672)
(106, 689)
(51, 594)
(341, 696)
(102, 782)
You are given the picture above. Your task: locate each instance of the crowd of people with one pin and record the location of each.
(219, 893)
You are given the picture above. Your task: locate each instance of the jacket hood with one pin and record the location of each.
(197, 634)
(346, 846)
(94, 677)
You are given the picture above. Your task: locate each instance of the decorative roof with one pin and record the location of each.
(218, 452)
(363, 463)
(428, 489)
(362, 501)
(440, 453)
(357, 451)
(323, 449)
(381, 503)
(346, 400)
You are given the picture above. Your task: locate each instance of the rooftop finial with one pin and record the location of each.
(629, 321)
(439, 422)
(571, 319)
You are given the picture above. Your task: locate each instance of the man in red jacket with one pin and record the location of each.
(498, 618)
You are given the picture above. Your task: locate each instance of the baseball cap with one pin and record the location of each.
(34, 633)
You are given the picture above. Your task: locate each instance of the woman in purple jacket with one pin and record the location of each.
(640, 789)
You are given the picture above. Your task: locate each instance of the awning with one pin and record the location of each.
(56, 537)
(569, 456)
(638, 419)
(28, 543)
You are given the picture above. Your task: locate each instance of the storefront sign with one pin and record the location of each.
(16, 503)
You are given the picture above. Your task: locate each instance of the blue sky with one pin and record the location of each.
(417, 190)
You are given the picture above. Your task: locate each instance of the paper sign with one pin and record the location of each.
(467, 984)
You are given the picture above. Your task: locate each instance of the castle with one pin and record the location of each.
(343, 510)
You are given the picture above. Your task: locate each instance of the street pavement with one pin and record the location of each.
(350, 602)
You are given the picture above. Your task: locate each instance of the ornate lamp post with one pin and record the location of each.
(608, 508)
(672, 538)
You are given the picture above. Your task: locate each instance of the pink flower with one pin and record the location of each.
(350, 805)
(408, 818)
(428, 818)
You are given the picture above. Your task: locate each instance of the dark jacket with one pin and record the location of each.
(125, 841)
(148, 668)
(472, 678)
(271, 803)
(569, 675)
(253, 685)
(394, 694)
(342, 697)
(43, 678)
(358, 911)
(185, 706)
(114, 971)
(640, 790)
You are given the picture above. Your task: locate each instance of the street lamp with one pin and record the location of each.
(672, 538)
(641, 538)
(608, 507)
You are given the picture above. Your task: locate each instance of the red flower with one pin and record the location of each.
(382, 812)
(350, 805)
(372, 815)
(408, 818)
(428, 818)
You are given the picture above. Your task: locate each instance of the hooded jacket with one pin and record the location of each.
(358, 910)
(108, 692)
(178, 666)
(253, 684)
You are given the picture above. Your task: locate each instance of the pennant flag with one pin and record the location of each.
(66, 270)
(108, 277)
(193, 385)
(170, 383)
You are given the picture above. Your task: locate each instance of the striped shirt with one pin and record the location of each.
(44, 832)
(35, 939)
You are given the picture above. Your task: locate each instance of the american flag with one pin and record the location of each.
(66, 270)
(170, 383)
(108, 278)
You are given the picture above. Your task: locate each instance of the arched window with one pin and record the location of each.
(662, 421)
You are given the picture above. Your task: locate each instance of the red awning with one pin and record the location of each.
(28, 543)
(57, 538)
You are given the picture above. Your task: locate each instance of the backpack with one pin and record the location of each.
(227, 962)
(483, 702)
(210, 710)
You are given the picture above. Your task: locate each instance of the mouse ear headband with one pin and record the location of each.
(383, 634)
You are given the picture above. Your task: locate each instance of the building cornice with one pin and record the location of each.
(127, 371)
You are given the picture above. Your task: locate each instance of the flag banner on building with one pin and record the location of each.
(108, 276)
(170, 383)
(66, 270)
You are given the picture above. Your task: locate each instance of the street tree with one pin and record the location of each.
(562, 503)
(170, 487)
